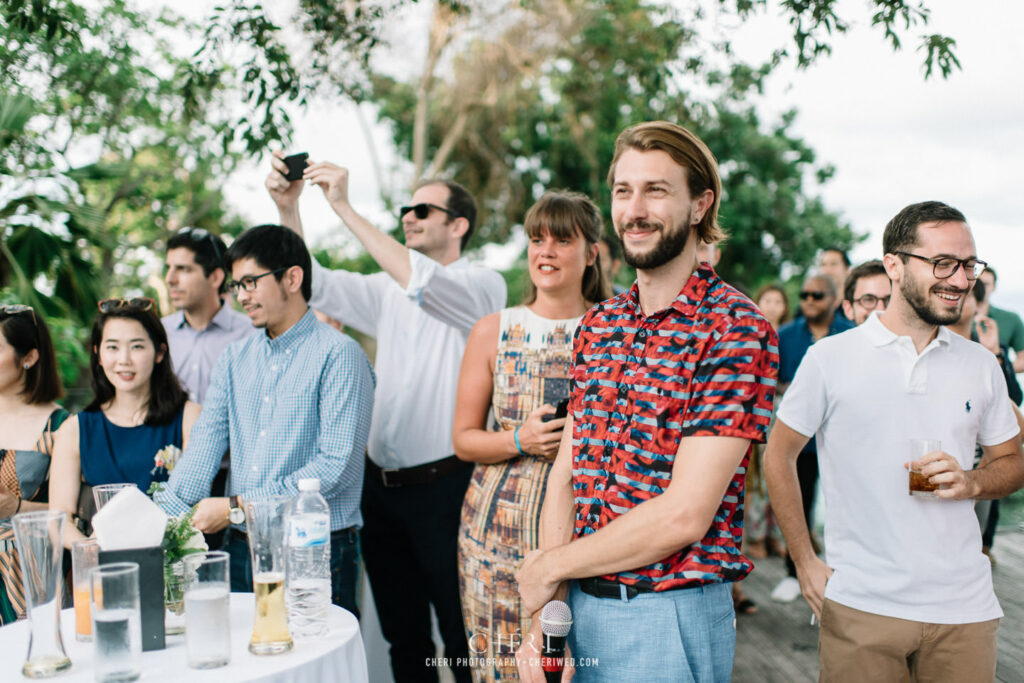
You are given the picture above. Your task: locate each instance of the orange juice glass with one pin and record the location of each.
(85, 556)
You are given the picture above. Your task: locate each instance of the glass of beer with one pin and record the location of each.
(918, 482)
(207, 607)
(265, 524)
(85, 556)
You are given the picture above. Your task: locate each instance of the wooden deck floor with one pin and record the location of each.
(778, 644)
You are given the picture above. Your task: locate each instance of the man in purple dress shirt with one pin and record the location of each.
(203, 324)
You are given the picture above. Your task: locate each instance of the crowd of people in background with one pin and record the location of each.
(629, 450)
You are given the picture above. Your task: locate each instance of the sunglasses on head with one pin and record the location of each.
(11, 310)
(142, 303)
(817, 296)
(421, 211)
(200, 234)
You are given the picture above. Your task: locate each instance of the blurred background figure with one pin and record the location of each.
(1011, 328)
(867, 289)
(709, 253)
(610, 253)
(29, 385)
(139, 413)
(515, 369)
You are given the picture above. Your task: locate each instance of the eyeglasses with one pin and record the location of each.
(817, 296)
(945, 267)
(142, 303)
(423, 210)
(200, 234)
(248, 283)
(11, 310)
(870, 300)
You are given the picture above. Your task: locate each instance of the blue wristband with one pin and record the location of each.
(515, 435)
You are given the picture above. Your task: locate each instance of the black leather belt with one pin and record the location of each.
(604, 588)
(413, 476)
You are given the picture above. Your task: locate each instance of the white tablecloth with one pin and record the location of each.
(339, 656)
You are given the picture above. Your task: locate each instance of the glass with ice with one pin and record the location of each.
(918, 484)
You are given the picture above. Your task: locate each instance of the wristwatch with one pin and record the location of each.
(236, 515)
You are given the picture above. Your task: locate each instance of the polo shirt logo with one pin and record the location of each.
(968, 406)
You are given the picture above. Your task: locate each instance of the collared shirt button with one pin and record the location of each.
(266, 399)
(263, 432)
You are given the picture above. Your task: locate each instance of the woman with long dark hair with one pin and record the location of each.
(515, 369)
(139, 417)
(29, 416)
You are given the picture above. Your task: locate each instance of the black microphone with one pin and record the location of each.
(555, 622)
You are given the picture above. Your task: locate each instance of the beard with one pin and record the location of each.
(918, 301)
(669, 245)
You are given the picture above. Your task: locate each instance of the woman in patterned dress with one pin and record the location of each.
(515, 369)
(29, 385)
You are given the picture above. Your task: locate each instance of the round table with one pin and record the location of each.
(338, 656)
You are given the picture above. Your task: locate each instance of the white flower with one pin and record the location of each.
(196, 542)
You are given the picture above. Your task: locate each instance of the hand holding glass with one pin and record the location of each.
(919, 485)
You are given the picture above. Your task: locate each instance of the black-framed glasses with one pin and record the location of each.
(200, 234)
(945, 266)
(817, 296)
(421, 211)
(870, 300)
(11, 310)
(142, 303)
(248, 283)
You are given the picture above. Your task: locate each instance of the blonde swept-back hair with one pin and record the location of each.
(562, 214)
(687, 150)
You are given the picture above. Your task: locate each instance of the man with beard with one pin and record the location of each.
(906, 593)
(672, 382)
(819, 320)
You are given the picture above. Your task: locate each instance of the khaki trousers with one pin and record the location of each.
(857, 646)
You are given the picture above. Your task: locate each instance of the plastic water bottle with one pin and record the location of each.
(308, 582)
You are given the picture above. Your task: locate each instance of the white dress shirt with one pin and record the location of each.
(421, 332)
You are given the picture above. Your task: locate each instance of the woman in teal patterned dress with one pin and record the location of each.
(29, 385)
(515, 368)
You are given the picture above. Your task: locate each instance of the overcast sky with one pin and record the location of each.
(893, 137)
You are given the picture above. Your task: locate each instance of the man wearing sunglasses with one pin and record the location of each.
(420, 310)
(204, 323)
(867, 290)
(906, 593)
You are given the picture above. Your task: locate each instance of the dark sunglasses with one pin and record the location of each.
(11, 310)
(423, 210)
(200, 234)
(817, 296)
(141, 303)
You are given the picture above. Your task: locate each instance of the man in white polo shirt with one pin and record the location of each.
(906, 591)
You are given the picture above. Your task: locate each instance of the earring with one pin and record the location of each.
(27, 366)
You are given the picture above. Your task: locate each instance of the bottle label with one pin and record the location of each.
(309, 530)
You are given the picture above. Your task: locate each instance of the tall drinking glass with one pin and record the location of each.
(40, 540)
(85, 556)
(265, 523)
(116, 622)
(207, 623)
(104, 492)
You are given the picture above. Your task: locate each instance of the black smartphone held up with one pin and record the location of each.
(556, 393)
(296, 165)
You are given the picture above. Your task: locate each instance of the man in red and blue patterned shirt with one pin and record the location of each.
(673, 381)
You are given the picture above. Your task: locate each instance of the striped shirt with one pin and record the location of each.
(292, 407)
(706, 365)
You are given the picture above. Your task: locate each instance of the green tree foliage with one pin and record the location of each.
(539, 104)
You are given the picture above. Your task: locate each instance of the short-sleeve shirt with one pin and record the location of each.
(706, 365)
(1011, 328)
(863, 395)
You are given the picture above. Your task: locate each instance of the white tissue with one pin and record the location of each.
(129, 520)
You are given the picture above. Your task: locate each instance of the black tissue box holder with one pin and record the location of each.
(151, 590)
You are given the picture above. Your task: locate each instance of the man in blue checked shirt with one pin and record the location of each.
(291, 403)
